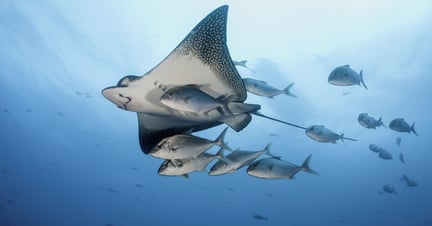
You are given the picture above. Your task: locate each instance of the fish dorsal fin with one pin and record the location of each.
(346, 65)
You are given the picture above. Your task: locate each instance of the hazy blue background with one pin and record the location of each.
(69, 159)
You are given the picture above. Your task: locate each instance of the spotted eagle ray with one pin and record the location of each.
(201, 59)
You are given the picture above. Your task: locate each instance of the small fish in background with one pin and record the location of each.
(389, 189)
(346, 93)
(375, 148)
(400, 125)
(259, 217)
(398, 141)
(409, 181)
(321, 134)
(183, 146)
(384, 154)
(275, 168)
(29, 110)
(401, 158)
(6, 111)
(345, 76)
(369, 122)
(238, 159)
(182, 167)
(86, 95)
(242, 63)
(261, 88)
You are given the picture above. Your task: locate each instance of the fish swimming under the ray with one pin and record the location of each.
(238, 160)
(182, 167)
(182, 146)
(201, 59)
(275, 168)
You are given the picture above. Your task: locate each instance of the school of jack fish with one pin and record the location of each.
(197, 87)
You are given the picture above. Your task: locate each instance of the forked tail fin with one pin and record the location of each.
(361, 79)
(287, 90)
(306, 166)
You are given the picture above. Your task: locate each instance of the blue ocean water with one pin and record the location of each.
(68, 156)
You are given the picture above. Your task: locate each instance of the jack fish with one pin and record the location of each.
(369, 121)
(238, 160)
(261, 88)
(190, 98)
(275, 168)
(322, 134)
(401, 125)
(345, 76)
(183, 146)
(182, 167)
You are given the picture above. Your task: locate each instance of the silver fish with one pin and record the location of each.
(190, 98)
(389, 189)
(261, 88)
(321, 134)
(275, 168)
(400, 125)
(184, 146)
(242, 63)
(182, 167)
(369, 122)
(238, 160)
(409, 181)
(345, 76)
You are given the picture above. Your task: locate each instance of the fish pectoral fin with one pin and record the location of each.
(238, 122)
(185, 176)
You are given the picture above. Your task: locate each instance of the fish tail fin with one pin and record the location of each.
(381, 123)
(267, 151)
(243, 62)
(287, 90)
(220, 155)
(413, 130)
(342, 138)
(220, 140)
(305, 166)
(361, 79)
